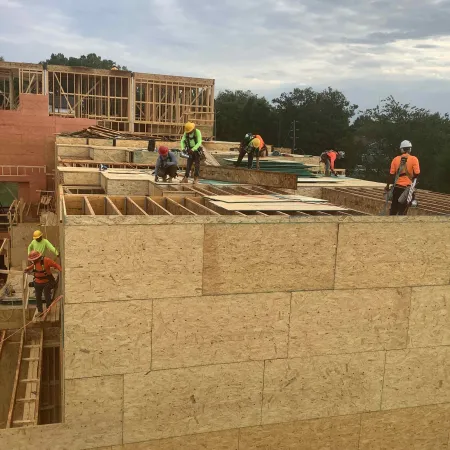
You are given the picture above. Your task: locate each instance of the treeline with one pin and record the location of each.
(324, 119)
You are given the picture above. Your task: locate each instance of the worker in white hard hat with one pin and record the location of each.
(328, 157)
(39, 244)
(405, 169)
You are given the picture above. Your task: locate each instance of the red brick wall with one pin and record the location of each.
(27, 137)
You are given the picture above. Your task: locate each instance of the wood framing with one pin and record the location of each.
(246, 176)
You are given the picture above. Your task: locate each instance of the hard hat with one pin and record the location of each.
(341, 154)
(249, 136)
(256, 143)
(405, 144)
(189, 127)
(163, 150)
(37, 234)
(34, 255)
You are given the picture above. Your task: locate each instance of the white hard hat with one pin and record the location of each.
(405, 144)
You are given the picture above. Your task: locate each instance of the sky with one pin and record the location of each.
(368, 49)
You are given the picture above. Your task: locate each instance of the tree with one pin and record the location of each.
(379, 131)
(1, 58)
(322, 118)
(90, 60)
(239, 113)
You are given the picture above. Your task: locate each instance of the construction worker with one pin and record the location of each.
(262, 146)
(405, 169)
(191, 142)
(329, 157)
(166, 164)
(40, 244)
(44, 281)
(250, 145)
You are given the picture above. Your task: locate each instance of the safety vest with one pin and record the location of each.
(41, 274)
(188, 140)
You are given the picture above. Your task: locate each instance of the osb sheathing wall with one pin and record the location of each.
(260, 333)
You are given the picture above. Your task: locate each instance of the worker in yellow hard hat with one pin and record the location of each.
(39, 244)
(191, 143)
(252, 144)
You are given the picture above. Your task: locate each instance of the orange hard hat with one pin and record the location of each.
(34, 255)
(163, 150)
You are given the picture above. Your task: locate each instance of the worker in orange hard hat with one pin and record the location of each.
(44, 281)
(166, 164)
(40, 244)
(191, 143)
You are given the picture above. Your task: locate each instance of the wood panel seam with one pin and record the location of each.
(262, 393)
(382, 384)
(289, 326)
(336, 256)
(409, 317)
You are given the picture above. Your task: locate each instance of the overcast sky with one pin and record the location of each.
(367, 48)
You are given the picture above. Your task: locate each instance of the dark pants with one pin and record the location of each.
(251, 155)
(170, 171)
(398, 209)
(46, 288)
(194, 158)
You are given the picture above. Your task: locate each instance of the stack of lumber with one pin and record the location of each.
(100, 132)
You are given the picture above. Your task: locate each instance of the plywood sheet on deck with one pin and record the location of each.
(265, 198)
(278, 206)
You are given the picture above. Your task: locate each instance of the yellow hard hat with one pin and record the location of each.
(256, 143)
(37, 234)
(189, 127)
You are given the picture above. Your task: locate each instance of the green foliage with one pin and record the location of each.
(90, 60)
(239, 113)
(1, 58)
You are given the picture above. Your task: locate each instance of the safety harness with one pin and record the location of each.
(41, 274)
(188, 139)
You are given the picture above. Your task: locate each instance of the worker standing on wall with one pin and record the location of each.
(44, 281)
(404, 171)
(166, 164)
(191, 142)
(329, 157)
(39, 244)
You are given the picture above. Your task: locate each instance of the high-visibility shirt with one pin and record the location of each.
(192, 140)
(41, 247)
(411, 169)
(332, 155)
(261, 145)
(43, 271)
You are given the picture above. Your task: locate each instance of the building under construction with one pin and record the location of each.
(254, 310)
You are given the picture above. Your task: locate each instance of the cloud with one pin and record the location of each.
(263, 45)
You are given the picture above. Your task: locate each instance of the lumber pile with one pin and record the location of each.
(99, 132)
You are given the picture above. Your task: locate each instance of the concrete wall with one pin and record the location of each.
(254, 333)
(27, 136)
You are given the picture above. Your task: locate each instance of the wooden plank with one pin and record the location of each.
(88, 207)
(266, 199)
(176, 209)
(131, 204)
(276, 206)
(2, 340)
(16, 382)
(246, 176)
(156, 209)
(111, 208)
(198, 208)
(38, 390)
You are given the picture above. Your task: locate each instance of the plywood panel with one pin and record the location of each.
(111, 265)
(130, 143)
(95, 405)
(423, 428)
(222, 440)
(81, 178)
(348, 321)
(392, 254)
(337, 433)
(127, 187)
(269, 257)
(107, 338)
(207, 330)
(176, 402)
(416, 377)
(73, 151)
(100, 142)
(429, 324)
(322, 386)
(108, 155)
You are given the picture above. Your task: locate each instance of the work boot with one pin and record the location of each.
(170, 179)
(184, 180)
(195, 180)
(165, 179)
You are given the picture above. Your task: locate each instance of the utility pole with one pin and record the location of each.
(293, 145)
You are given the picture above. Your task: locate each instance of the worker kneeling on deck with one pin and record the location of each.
(166, 165)
(44, 281)
(39, 244)
(191, 143)
(329, 157)
(247, 147)
(403, 175)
